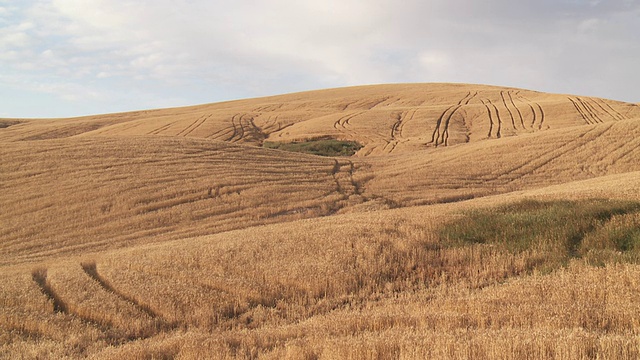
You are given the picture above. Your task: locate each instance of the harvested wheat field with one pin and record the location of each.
(407, 221)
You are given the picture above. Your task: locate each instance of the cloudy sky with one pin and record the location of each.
(77, 57)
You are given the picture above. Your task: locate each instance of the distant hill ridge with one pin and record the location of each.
(383, 118)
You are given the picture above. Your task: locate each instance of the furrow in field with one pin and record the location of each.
(495, 109)
(613, 115)
(490, 117)
(468, 100)
(190, 126)
(160, 129)
(39, 276)
(235, 128)
(534, 116)
(590, 110)
(618, 114)
(197, 125)
(440, 136)
(504, 103)
(539, 116)
(91, 270)
(395, 128)
(445, 133)
(543, 159)
(222, 133)
(582, 113)
(517, 109)
(373, 105)
(407, 118)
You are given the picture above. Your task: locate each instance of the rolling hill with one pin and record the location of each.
(177, 233)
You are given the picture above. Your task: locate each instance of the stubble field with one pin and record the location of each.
(472, 222)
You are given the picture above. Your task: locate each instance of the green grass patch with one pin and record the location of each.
(322, 147)
(594, 229)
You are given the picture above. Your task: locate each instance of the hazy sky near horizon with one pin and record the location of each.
(79, 57)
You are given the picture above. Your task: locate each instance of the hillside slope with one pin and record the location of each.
(173, 233)
(384, 118)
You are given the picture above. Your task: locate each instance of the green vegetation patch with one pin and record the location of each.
(322, 147)
(595, 229)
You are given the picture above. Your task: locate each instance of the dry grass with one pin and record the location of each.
(170, 234)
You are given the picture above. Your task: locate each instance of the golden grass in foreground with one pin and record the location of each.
(351, 286)
(151, 235)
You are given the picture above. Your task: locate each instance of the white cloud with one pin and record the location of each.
(590, 25)
(212, 51)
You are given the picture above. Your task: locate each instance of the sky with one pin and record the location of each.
(62, 58)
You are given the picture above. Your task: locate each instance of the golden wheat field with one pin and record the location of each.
(471, 222)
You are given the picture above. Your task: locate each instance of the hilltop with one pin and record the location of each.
(180, 232)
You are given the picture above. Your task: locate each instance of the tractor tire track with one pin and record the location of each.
(379, 102)
(604, 110)
(254, 131)
(405, 120)
(504, 102)
(160, 129)
(537, 105)
(217, 134)
(590, 110)
(393, 146)
(91, 270)
(490, 118)
(181, 132)
(234, 127)
(517, 109)
(343, 121)
(396, 125)
(280, 128)
(495, 108)
(438, 137)
(541, 116)
(348, 119)
(445, 133)
(461, 103)
(435, 137)
(39, 276)
(470, 98)
(624, 154)
(533, 114)
(356, 186)
(619, 115)
(547, 157)
(204, 118)
(581, 112)
(240, 128)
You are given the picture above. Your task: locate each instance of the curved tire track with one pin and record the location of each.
(618, 115)
(495, 108)
(580, 111)
(197, 125)
(234, 127)
(188, 128)
(547, 157)
(438, 137)
(533, 105)
(160, 129)
(490, 118)
(590, 110)
(504, 102)
(39, 276)
(603, 110)
(91, 270)
(517, 109)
